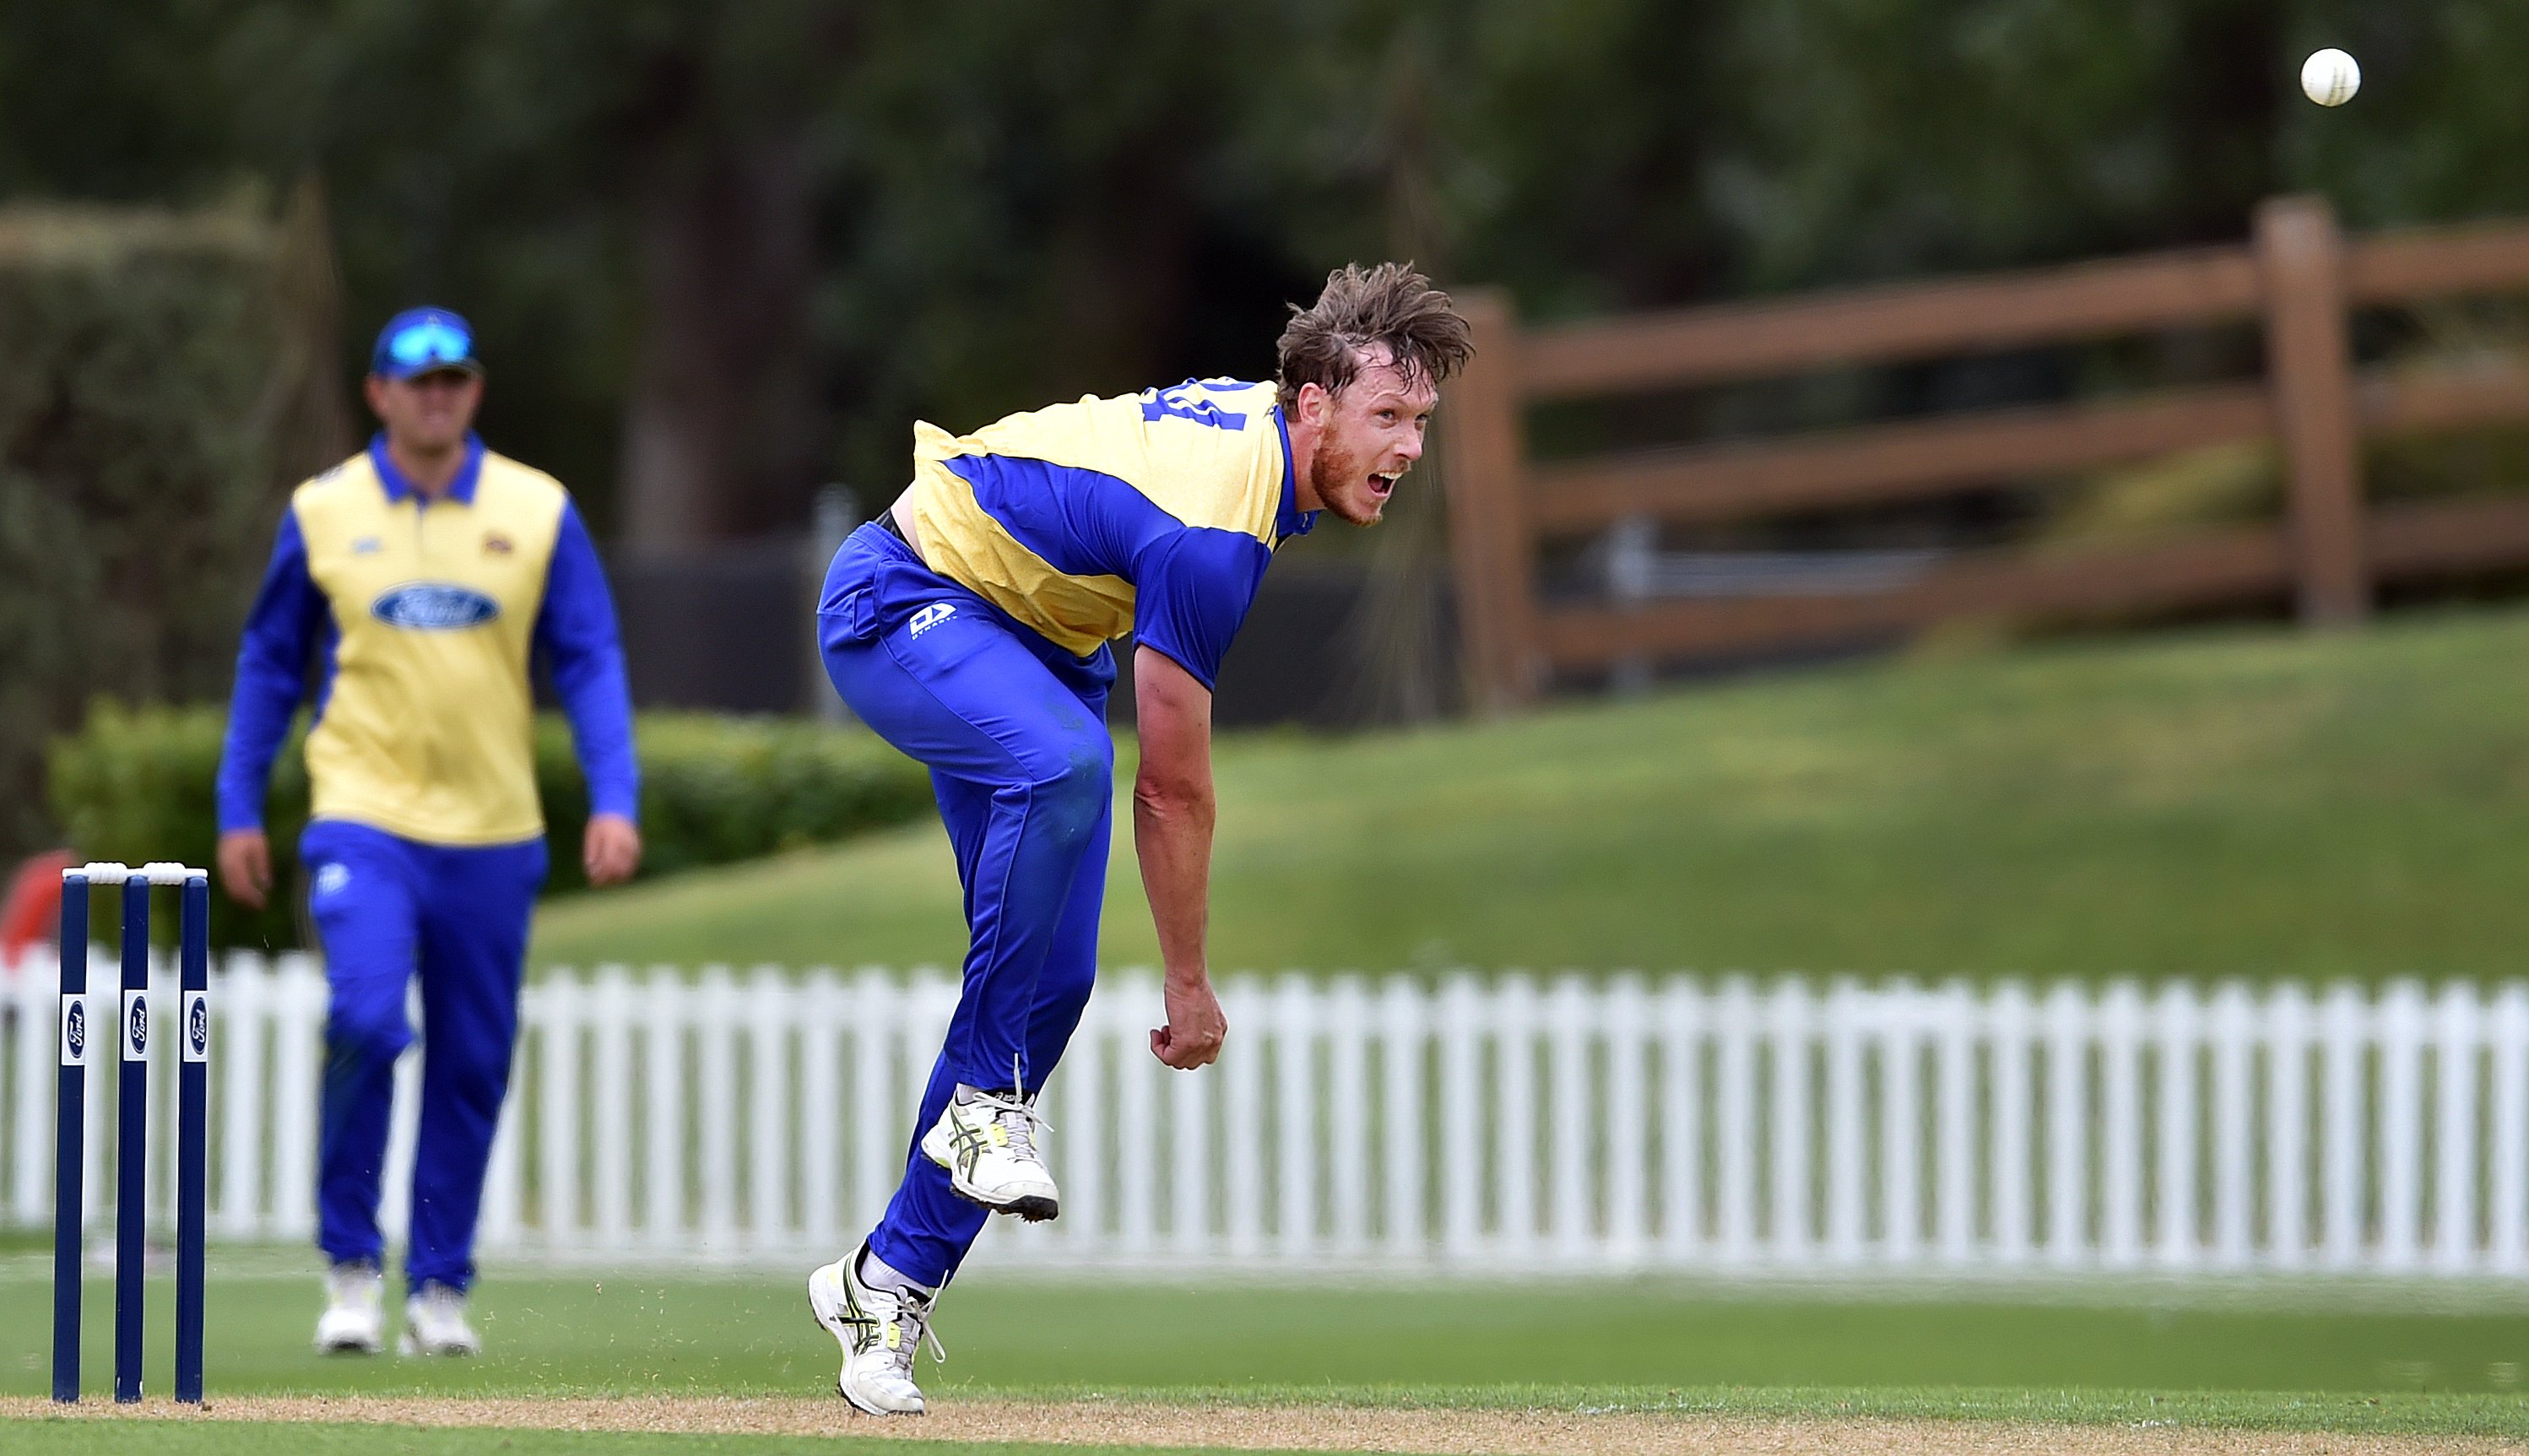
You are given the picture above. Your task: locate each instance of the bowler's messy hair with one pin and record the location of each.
(1390, 305)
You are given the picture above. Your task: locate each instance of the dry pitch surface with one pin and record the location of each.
(1440, 1433)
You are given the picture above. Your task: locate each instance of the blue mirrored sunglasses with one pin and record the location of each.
(431, 342)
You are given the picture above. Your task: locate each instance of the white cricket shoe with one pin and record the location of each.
(354, 1321)
(987, 1141)
(433, 1324)
(880, 1331)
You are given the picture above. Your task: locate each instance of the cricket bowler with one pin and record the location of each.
(969, 626)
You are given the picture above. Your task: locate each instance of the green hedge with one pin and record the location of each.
(137, 785)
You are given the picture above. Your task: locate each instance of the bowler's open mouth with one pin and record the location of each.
(1383, 486)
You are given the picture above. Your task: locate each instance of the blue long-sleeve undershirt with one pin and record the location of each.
(575, 632)
(290, 610)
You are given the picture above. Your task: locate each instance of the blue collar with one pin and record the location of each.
(460, 490)
(1290, 521)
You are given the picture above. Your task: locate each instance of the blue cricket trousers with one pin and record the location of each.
(1013, 729)
(387, 908)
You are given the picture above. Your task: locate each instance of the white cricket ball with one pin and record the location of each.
(2330, 78)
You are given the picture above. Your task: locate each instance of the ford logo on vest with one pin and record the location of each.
(433, 606)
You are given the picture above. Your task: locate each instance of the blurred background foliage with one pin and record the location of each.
(755, 239)
(722, 255)
(160, 381)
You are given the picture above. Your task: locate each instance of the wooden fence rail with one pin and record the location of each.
(2297, 277)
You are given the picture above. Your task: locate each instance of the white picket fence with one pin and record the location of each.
(1463, 1125)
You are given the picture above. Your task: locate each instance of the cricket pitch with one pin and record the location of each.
(1293, 1428)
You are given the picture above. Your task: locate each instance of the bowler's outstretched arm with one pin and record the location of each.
(1172, 817)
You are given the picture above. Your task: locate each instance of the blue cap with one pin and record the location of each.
(420, 340)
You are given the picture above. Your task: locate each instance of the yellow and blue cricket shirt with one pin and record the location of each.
(424, 617)
(1152, 513)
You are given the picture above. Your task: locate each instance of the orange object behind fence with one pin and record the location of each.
(33, 900)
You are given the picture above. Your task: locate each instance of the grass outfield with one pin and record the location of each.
(1656, 1346)
(162, 1439)
(2262, 803)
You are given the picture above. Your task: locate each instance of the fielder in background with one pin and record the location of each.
(421, 577)
(968, 625)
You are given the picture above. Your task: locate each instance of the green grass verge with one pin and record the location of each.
(2255, 803)
(1566, 1343)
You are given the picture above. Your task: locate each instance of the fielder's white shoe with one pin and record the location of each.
(354, 1321)
(880, 1330)
(433, 1324)
(987, 1141)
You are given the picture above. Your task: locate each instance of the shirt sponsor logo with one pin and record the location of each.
(433, 606)
(931, 615)
(497, 544)
(368, 546)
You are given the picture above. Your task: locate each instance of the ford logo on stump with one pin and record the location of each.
(433, 606)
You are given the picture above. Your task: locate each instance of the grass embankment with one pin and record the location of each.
(2257, 803)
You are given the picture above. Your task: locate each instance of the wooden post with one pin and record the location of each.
(2301, 257)
(1492, 544)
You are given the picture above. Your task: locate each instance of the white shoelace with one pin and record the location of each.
(913, 1309)
(1020, 1119)
(1017, 1114)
